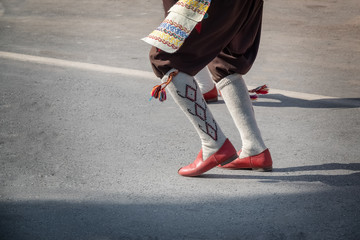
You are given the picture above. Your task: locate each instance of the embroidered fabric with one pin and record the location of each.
(177, 26)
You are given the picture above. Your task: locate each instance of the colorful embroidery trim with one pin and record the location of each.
(182, 19)
(174, 29)
(184, 29)
(165, 38)
(198, 6)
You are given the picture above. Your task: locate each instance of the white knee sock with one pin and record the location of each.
(235, 94)
(204, 80)
(186, 93)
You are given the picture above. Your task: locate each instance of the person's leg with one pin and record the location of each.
(207, 85)
(237, 58)
(254, 154)
(186, 93)
(236, 97)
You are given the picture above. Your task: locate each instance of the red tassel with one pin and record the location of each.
(260, 90)
(162, 96)
(155, 91)
(158, 91)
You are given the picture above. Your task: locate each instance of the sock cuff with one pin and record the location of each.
(227, 80)
(165, 78)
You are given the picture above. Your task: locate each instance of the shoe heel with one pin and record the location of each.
(229, 160)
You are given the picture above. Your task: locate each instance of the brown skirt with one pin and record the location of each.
(228, 41)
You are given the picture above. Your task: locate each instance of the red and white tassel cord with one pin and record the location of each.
(158, 91)
(261, 90)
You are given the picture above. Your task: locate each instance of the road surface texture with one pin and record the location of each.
(85, 155)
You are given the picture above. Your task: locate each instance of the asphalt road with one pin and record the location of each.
(85, 155)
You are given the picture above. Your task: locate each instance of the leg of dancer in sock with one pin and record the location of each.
(207, 86)
(215, 148)
(254, 153)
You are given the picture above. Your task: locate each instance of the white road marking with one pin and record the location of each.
(149, 75)
(78, 65)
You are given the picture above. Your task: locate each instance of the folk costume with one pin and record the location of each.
(223, 35)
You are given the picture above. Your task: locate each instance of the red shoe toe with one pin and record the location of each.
(225, 154)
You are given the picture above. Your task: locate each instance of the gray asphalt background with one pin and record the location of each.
(85, 155)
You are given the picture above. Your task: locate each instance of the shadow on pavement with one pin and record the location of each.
(352, 179)
(316, 215)
(284, 101)
(331, 180)
(328, 166)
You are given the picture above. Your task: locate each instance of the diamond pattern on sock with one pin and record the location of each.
(200, 110)
(190, 93)
(212, 132)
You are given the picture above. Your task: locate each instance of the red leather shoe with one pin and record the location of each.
(211, 96)
(224, 155)
(260, 162)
